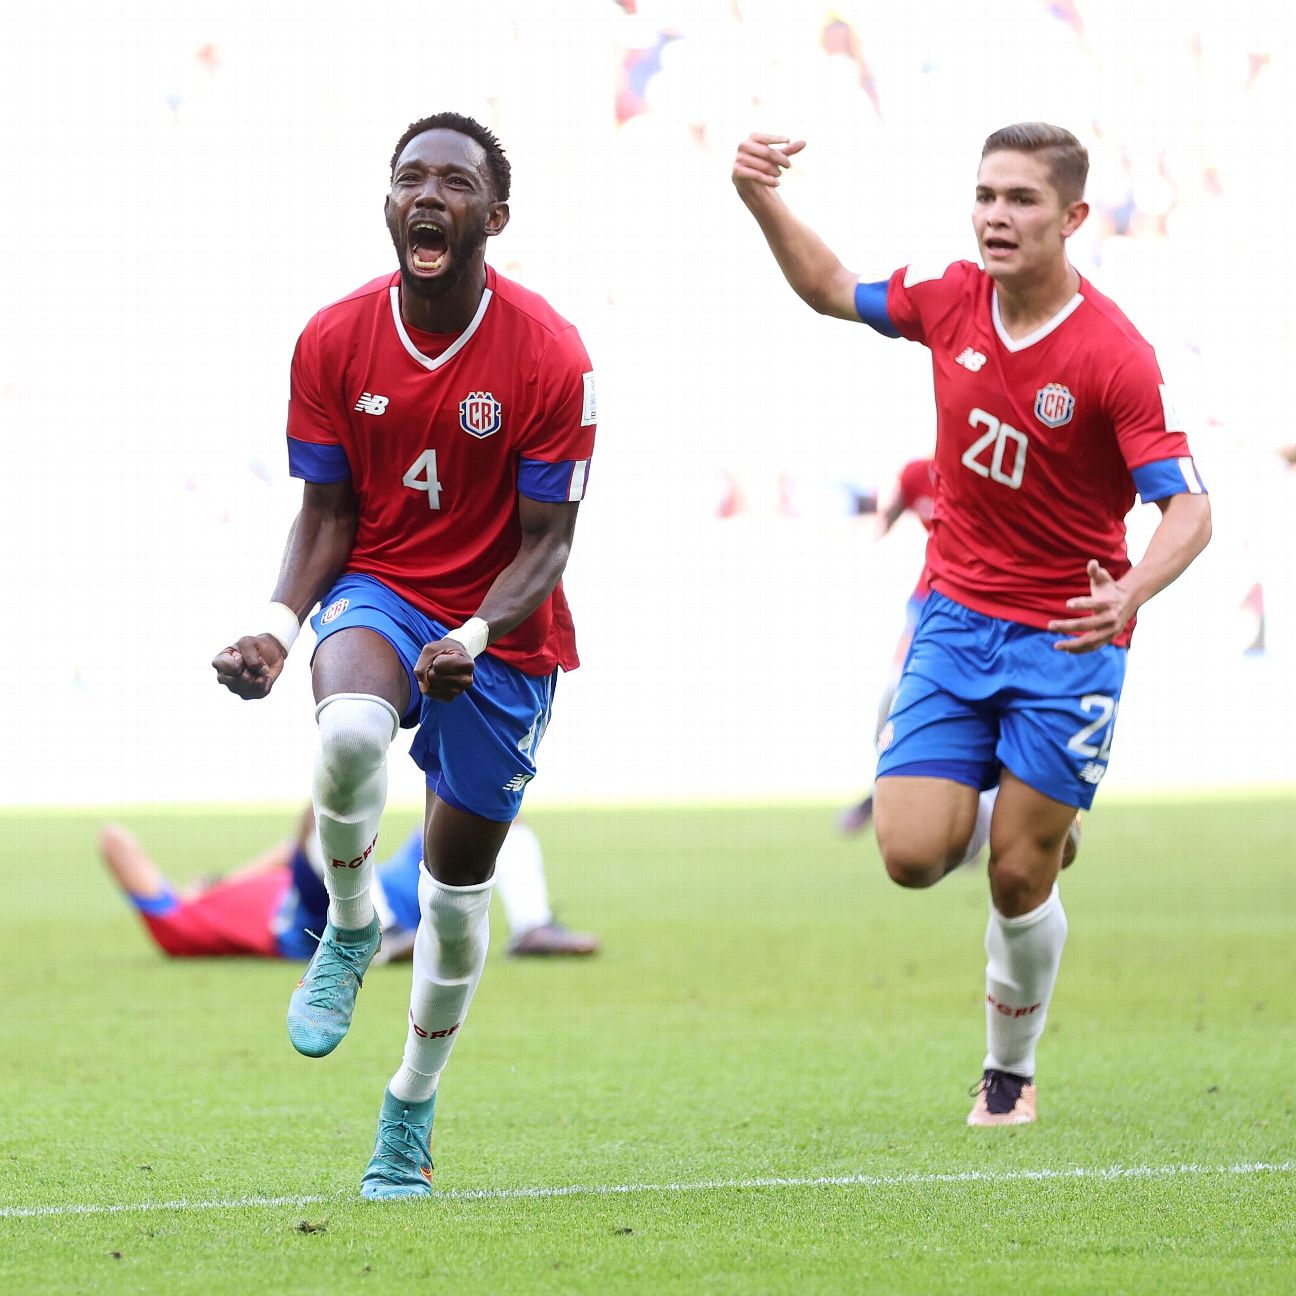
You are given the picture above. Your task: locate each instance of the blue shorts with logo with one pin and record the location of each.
(478, 752)
(979, 694)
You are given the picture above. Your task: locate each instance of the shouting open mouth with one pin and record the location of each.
(428, 250)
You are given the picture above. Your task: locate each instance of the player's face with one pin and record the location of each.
(1020, 221)
(441, 210)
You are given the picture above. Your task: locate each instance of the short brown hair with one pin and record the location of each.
(1066, 158)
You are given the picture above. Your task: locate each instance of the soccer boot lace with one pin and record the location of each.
(319, 1012)
(1003, 1099)
(401, 1165)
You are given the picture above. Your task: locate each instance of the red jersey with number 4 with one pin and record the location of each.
(439, 434)
(1037, 438)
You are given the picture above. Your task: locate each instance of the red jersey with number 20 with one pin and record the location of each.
(1037, 440)
(438, 435)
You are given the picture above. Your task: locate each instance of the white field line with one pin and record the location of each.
(1103, 1174)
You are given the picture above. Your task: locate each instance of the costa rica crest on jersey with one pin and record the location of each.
(1054, 405)
(479, 414)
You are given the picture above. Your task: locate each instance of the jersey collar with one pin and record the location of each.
(428, 362)
(1020, 344)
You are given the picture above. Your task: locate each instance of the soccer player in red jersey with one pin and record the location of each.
(442, 419)
(914, 492)
(1051, 416)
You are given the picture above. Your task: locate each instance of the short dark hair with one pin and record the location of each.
(1064, 155)
(496, 163)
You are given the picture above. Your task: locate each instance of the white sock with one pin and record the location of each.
(449, 954)
(520, 879)
(1022, 957)
(884, 702)
(981, 829)
(349, 794)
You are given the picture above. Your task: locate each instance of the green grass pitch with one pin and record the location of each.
(760, 1086)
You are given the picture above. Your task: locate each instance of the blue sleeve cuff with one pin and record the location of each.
(553, 483)
(158, 906)
(1165, 477)
(317, 463)
(870, 305)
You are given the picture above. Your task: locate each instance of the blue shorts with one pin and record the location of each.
(478, 751)
(303, 909)
(979, 694)
(914, 605)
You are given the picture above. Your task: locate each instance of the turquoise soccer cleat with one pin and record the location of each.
(319, 1012)
(401, 1165)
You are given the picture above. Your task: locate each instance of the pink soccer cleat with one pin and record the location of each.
(1003, 1099)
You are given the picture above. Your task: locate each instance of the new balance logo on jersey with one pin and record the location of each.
(368, 404)
(970, 359)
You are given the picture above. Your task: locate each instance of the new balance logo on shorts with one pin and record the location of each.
(518, 782)
(1092, 773)
(368, 404)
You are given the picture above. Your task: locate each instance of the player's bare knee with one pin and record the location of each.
(1018, 885)
(912, 870)
(355, 731)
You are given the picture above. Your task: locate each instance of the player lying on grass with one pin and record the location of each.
(268, 907)
(442, 420)
(1051, 415)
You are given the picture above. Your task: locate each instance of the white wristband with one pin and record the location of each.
(281, 622)
(472, 635)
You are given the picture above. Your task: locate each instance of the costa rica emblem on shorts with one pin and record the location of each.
(479, 414)
(334, 610)
(1054, 405)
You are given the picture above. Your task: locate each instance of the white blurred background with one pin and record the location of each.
(185, 184)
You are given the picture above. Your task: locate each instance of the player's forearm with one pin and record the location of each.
(811, 267)
(523, 586)
(318, 547)
(1183, 532)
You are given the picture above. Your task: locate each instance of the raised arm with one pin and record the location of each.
(807, 262)
(547, 531)
(319, 544)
